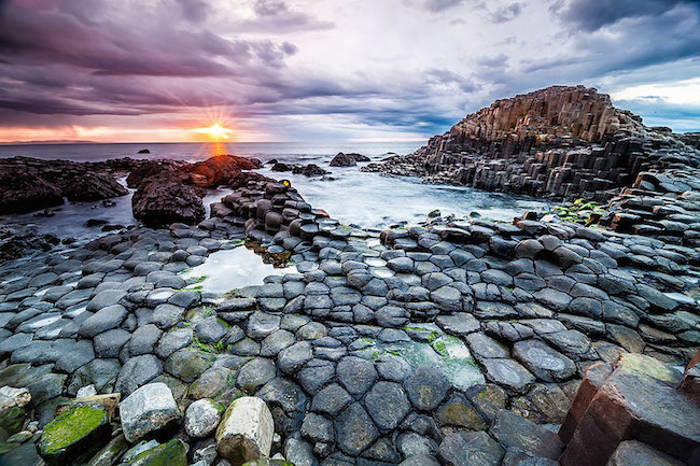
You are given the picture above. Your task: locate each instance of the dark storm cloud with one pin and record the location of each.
(591, 15)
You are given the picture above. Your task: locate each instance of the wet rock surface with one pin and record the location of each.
(455, 341)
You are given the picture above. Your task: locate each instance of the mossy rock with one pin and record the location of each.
(74, 434)
(172, 453)
(12, 420)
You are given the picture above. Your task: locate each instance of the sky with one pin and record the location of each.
(330, 70)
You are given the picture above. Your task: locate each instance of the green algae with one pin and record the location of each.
(445, 352)
(171, 453)
(70, 428)
(12, 420)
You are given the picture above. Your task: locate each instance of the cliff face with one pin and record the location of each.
(562, 142)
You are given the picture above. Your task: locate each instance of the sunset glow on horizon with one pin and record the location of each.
(302, 70)
(215, 131)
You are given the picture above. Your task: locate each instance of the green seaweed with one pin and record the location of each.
(70, 427)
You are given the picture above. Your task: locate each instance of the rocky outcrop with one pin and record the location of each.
(309, 170)
(28, 184)
(172, 193)
(560, 142)
(163, 200)
(19, 240)
(347, 160)
(220, 170)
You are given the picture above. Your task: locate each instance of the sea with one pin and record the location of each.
(349, 195)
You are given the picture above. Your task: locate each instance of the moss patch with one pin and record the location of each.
(168, 454)
(77, 424)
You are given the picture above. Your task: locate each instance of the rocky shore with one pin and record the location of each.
(455, 341)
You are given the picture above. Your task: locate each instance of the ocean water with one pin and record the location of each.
(352, 196)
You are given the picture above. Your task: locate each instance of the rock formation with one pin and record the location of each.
(28, 184)
(561, 142)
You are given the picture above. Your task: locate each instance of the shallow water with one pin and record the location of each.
(230, 269)
(353, 197)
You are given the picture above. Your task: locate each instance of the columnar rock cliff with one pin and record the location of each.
(562, 142)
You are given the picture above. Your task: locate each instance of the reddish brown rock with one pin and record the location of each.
(639, 401)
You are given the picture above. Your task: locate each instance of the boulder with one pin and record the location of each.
(74, 435)
(202, 417)
(23, 191)
(343, 160)
(162, 200)
(172, 453)
(246, 431)
(147, 410)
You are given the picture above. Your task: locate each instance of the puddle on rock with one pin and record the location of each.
(239, 267)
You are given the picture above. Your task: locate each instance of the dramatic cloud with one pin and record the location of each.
(298, 69)
(593, 15)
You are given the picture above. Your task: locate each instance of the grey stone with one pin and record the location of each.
(426, 387)
(110, 343)
(105, 319)
(387, 403)
(331, 400)
(138, 371)
(202, 417)
(356, 374)
(147, 410)
(470, 448)
(355, 432)
(292, 358)
(144, 340)
(512, 430)
(543, 361)
(255, 374)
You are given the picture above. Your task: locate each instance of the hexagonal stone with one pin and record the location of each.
(485, 347)
(255, 374)
(144, 340)
(354, 430)
(317, 428)
(543, 361)
(105, 319)
(187, 365)
(508, 373)
(387, 403)
(276, 342)
(459, 323)
(261, 324)
(458, 411)
(110, 343)
(470, 448)
(292, 358)
(331, 400)
(172, 341)
(356, 374)
(137, 372)
(147, 410)
(167, 315)
(105, 299)
(202, 417)
(210, 330)
(512, 430)
(426, 387)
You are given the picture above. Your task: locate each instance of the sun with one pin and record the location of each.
(215, 131)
